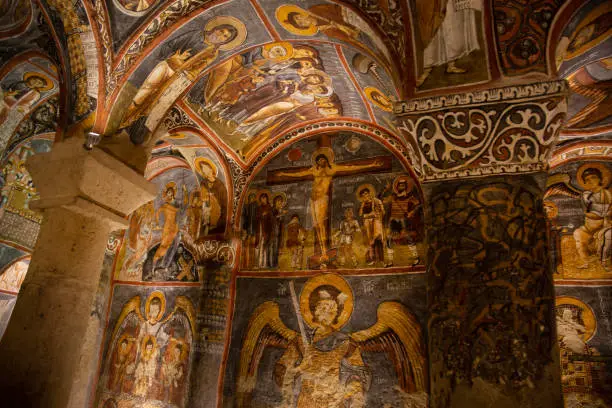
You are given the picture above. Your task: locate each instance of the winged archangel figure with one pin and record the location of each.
(322, 366)
(595, 235)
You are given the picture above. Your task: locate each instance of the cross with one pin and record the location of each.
(322, 173)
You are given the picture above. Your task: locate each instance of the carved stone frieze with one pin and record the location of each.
(496, 131)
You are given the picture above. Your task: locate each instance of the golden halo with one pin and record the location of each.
(553, 210)
(588, 317)
(282, 14)
(199, 160)
(605, 174)
(278, 45)
(386, 103)
(326, 151)
(145, 340)
(405, 178)
(363, 187)
(127, 337)
(170, 185)
(262, 192)
(241, 32)
(282, 195)
(184, 347)
(177, 135)
(48, 82)
(162, 308)
(328, 279)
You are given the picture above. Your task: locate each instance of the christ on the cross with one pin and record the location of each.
(322, 172)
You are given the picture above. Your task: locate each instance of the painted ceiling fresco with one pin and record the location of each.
(288, 63)
(584, 57)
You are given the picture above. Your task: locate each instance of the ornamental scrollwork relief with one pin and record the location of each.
(513, 135)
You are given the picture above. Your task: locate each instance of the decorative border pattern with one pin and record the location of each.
(596, 149)
(497, 131)
(508, 93)
(176, 117)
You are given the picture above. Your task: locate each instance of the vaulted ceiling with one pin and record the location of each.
(247, 72)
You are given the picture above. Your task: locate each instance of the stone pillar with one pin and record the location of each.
(50, 348)
(482, 158)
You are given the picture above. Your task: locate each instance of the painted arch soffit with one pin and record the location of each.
(313, 21)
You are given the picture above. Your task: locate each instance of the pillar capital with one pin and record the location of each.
(89, 182)
(496, 131)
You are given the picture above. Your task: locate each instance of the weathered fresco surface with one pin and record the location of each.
(360, 341)
(579, 207)
(165, 237)
(339, 202)
(584, 328)
(149, 347)
(490, 294)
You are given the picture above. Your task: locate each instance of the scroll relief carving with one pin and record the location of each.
(508, 130)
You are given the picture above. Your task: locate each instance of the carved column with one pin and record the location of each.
(482, 158)
(49, 350)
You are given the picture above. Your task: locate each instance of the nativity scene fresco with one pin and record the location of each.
(300, 344)
(341, 201)
(578, 202)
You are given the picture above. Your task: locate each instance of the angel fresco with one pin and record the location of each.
(322, 366)
(149, 355)
(595, 235)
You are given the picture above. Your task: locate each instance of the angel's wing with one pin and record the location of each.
(559, 184)
(131, 311)
(265, 329)
(183, 306)
(398, 333)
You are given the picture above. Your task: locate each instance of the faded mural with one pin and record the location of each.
(328, 340)
(332, 202)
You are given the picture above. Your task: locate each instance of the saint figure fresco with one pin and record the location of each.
(447, 31)
(583, 373)
(321, 365)
(149, 354)
(221, 33)
(593, 238)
